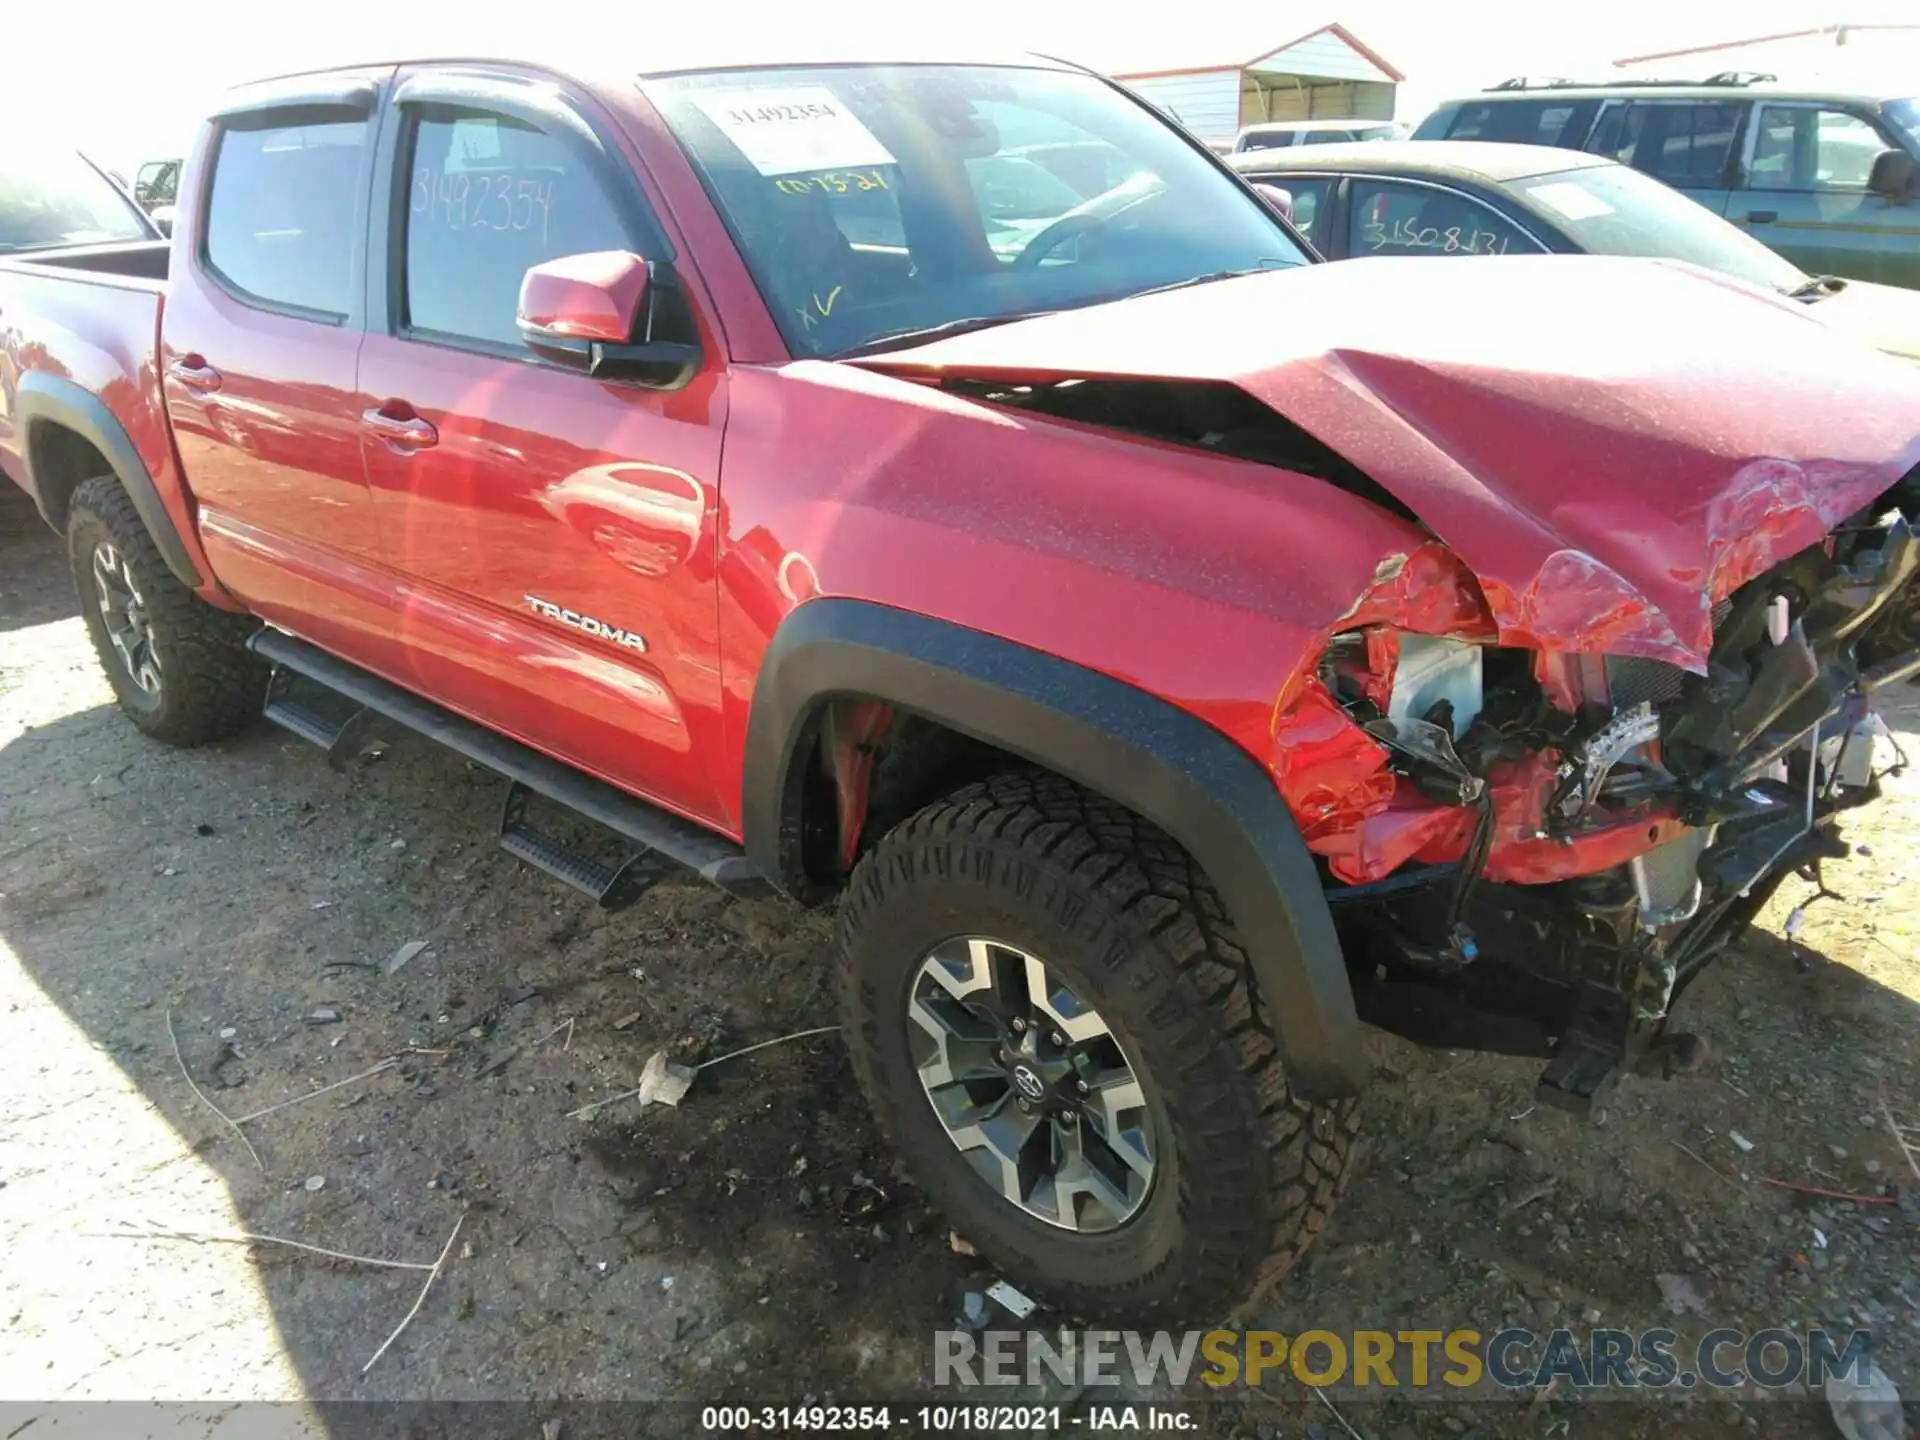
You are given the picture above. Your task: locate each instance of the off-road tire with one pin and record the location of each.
(211, 685)
(1251, 1172)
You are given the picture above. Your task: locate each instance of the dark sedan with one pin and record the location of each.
(1437, 197)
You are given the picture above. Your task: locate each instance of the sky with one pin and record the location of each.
(128, 80)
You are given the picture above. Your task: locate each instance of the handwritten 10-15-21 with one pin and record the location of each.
(832, 182)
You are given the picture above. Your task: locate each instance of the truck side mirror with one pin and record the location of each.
(1279, 200)
(598, 313)
(1891, 177)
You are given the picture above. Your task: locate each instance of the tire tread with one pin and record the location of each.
(1304, 1153)
(212, 686)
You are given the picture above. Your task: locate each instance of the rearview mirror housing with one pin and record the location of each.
(1891, 177)
(1278, 198)
(596, 312)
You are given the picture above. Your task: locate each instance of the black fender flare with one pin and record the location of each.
(1114, 738)
(54, 400)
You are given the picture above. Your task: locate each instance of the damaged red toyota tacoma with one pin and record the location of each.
(946, 489)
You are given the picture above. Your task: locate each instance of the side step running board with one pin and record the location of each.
(610, 886)
(342, 739)
(668, 836)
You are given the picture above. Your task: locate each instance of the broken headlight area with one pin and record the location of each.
(1535, 852)
(1404, 748)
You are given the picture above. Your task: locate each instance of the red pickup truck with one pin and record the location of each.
(947, 488)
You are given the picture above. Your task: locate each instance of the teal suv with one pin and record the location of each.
(1828, 180)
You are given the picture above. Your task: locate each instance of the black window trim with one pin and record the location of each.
(536, 102)
(275, 107)
(1751, 141)
(1356, 177)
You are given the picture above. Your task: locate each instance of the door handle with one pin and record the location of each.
(194, 373)
(1762, 217)
(402, 429)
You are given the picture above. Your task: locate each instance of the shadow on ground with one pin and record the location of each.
(756, 1243)
(33, 588)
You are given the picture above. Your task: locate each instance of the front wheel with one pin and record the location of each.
(180, 668)
(1054, 1023)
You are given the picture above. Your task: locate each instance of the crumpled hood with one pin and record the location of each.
(1610, 445)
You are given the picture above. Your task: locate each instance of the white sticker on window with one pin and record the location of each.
(1570, 200)
(789, 132)
(475, 144)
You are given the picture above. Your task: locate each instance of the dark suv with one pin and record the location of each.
(1826, 179)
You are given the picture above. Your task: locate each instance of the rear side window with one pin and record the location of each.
(490, 198)
(1697, 146)
(1553, 124)
(285, 214)
(1688, 146)
(1469, 122)
(1519, 122)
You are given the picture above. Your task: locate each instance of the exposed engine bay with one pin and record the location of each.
(1719, 785)
(1534, 850)
(1209, 415)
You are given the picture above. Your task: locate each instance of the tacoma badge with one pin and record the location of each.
(587, 623)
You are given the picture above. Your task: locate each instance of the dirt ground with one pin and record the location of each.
(757, 1242)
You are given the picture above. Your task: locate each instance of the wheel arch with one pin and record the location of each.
(1115, 739)
(68, 437)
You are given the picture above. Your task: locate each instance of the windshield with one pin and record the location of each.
(876, 201)
(56, 198)
(1616, 210)
(1905, 115)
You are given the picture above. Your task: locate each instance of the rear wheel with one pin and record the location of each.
(1051, 1017)
(179, 667)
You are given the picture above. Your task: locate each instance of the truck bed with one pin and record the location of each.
(79, 338)
(138, 260)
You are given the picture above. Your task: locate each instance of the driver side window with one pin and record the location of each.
(1803, 147)
(489, 197)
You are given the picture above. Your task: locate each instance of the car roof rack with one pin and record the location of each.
(1557, 82)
